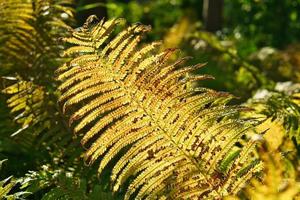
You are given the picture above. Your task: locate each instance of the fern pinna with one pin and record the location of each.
(171, 140)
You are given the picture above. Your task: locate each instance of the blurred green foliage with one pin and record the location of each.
(266, 22)
(161, 15)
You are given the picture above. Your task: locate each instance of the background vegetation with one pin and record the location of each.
(251, 47)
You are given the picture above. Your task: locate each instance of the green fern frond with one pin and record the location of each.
(134, 104)
(26, 103)
(283, 105)
(30, 30)
(5, 187)
(32, 108)
(8, 186)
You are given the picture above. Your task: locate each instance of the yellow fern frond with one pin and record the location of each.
(134, 105)
(31, 29)
(277, 182)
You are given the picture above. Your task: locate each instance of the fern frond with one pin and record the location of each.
(134, 104)
(32, 108)
(5, 187)
(26, 102)
(282, 105)
(31, 29)
(276, 181)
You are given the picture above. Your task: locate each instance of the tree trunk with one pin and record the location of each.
(212, 14)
